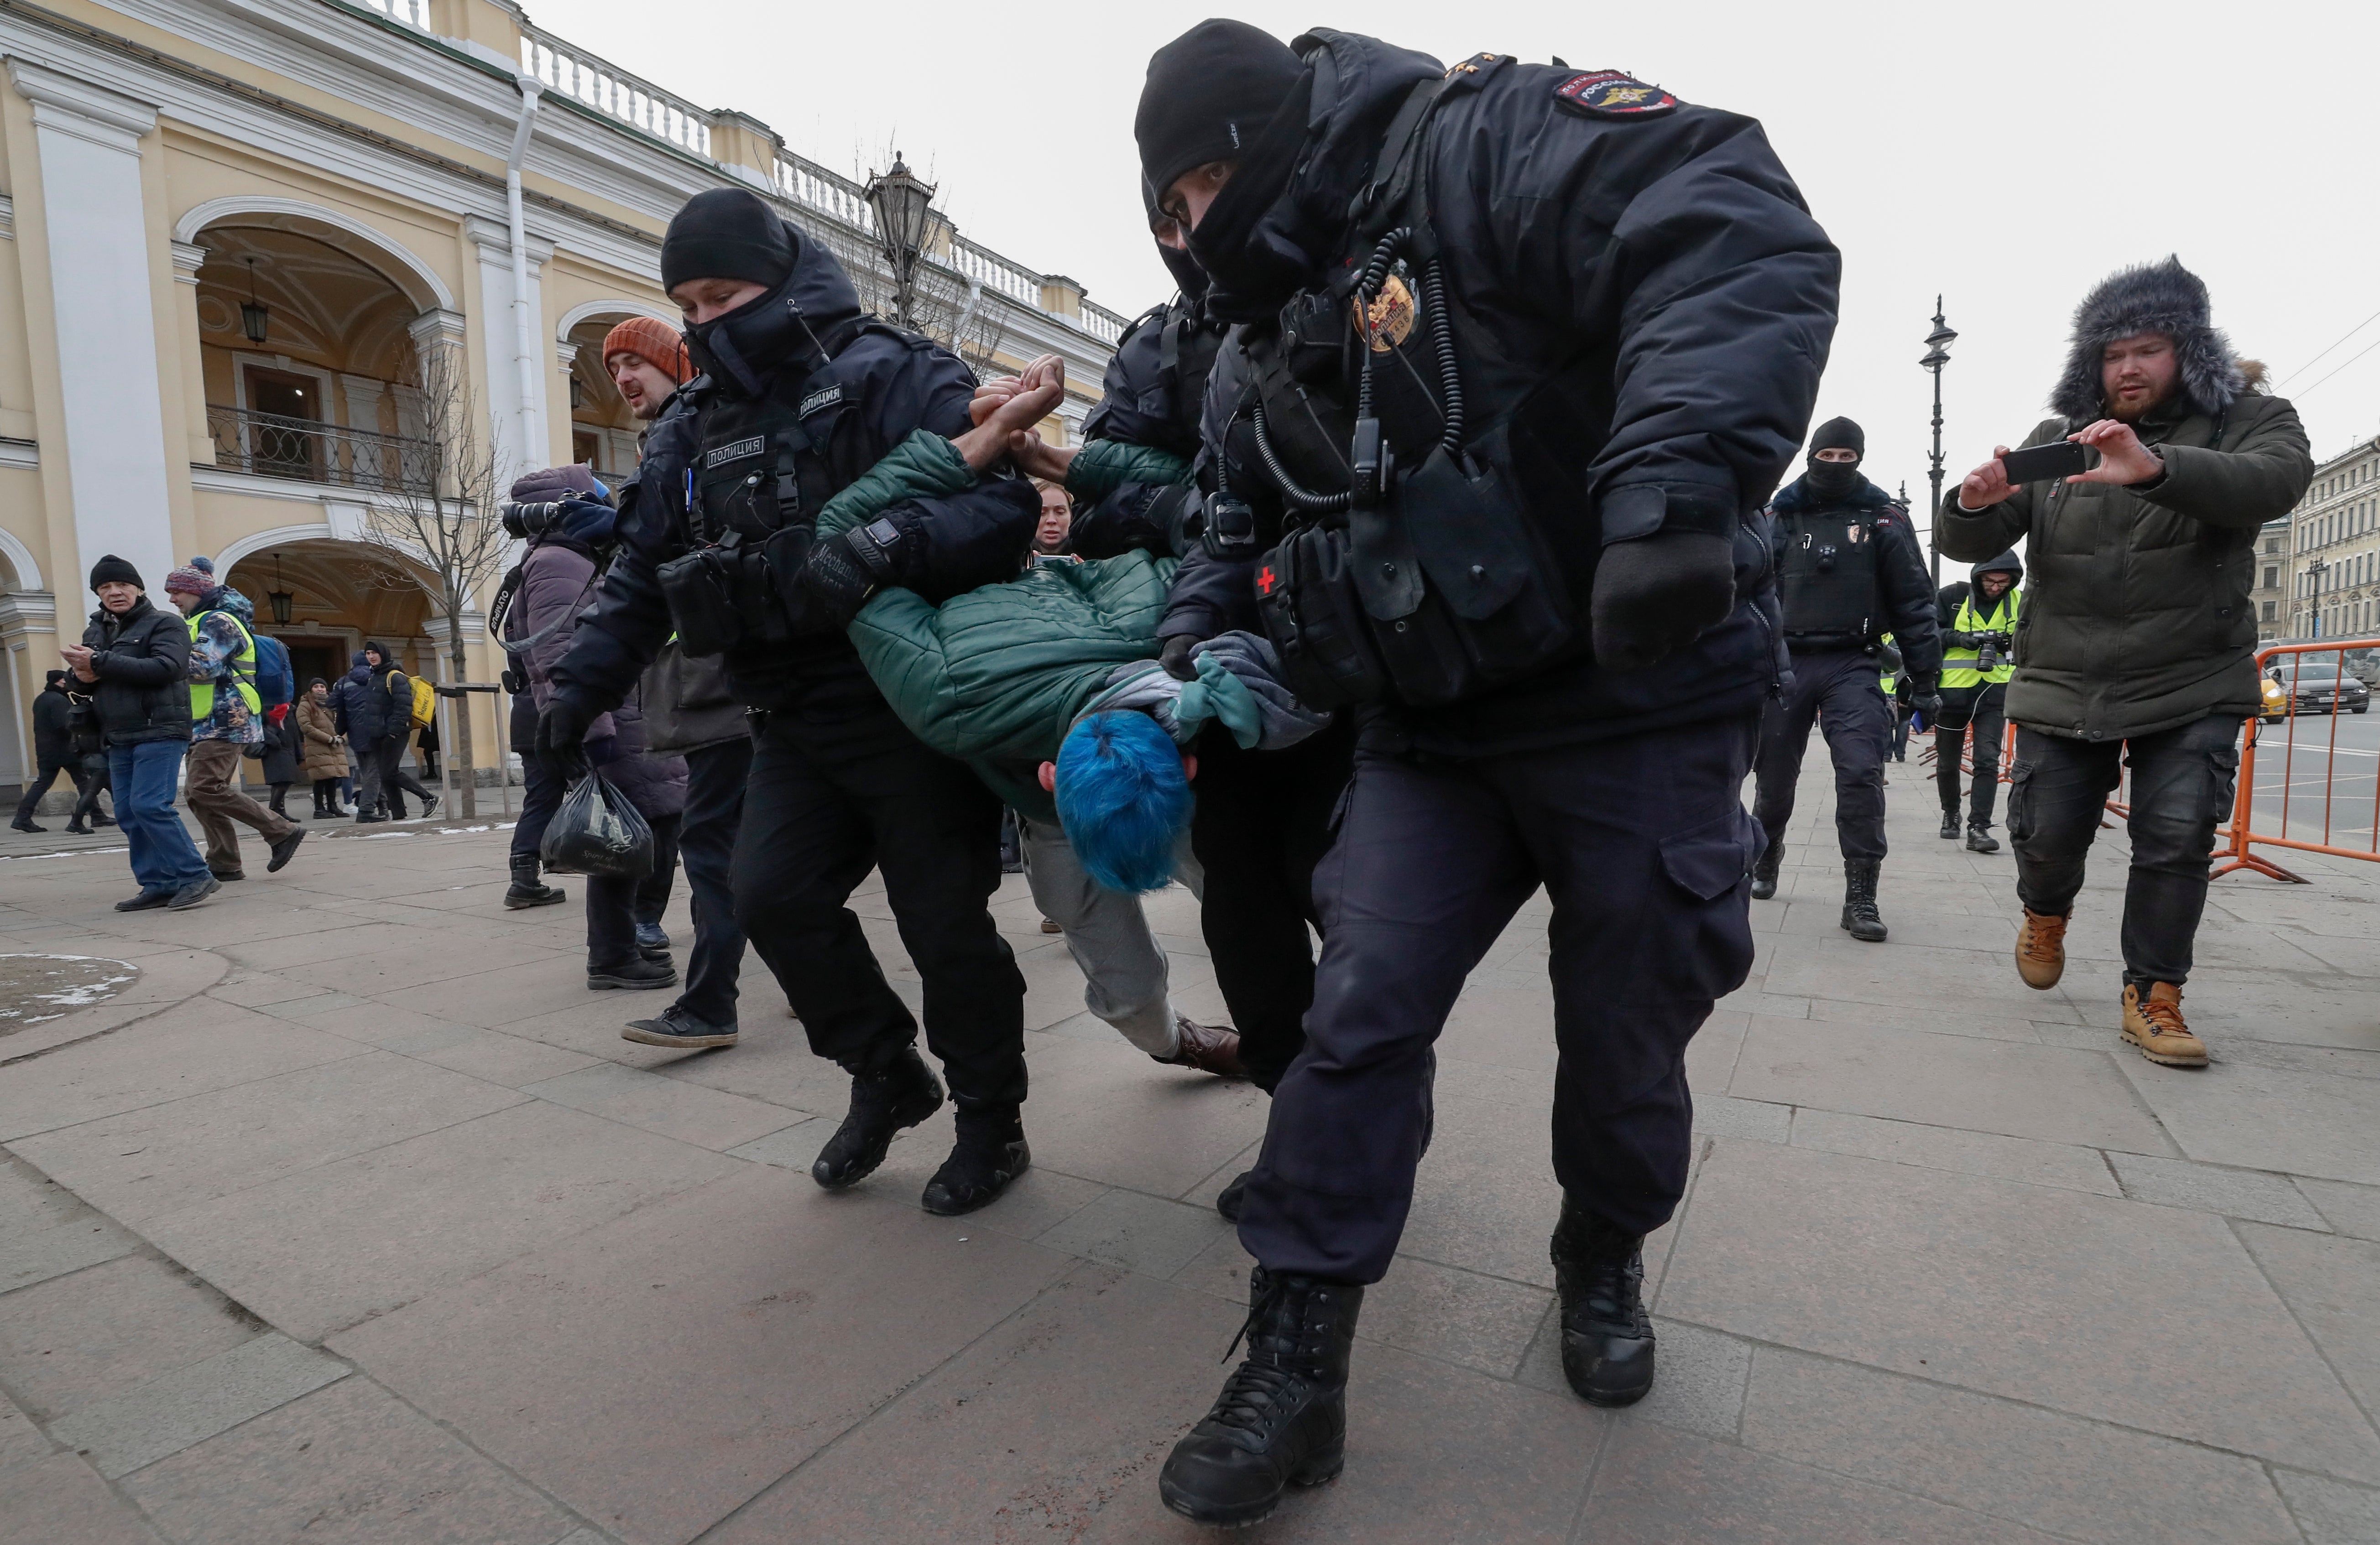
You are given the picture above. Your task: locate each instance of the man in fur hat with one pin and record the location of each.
(2137, 640)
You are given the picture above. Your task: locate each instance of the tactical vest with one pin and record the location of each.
(1411, 572)
(1827, 579)
(750, 496)
(243, 670)
(1962, 667)
(1187, 343)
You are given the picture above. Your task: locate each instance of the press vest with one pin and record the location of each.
(243, 668)
(1959, 664)
(1826, 577)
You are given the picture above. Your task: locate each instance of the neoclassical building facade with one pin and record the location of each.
(232, 232)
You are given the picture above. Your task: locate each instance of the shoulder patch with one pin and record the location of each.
(826, 398)
(1610, 94)
(736, 451)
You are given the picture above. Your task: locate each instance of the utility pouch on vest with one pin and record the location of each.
(700, 587)
(1306, 594)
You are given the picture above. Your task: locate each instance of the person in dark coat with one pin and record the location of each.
(281, 737)
(1581, 407)
(52, 750)
(133, 668)
(375, 710)
(90, 754)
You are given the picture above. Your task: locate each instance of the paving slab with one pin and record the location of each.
(124, 1431)
(672, 1108)
(1884, 1264)
(2333, 1286)
(514, 1061)
(1105, 1112)
(2237, 1194)
(2265, 1118)
(781, 1314)
(1139, 1233)
(2331, 1511)
(1965, 1152)
(2349, 1208)
(2048, 1093)
(148, 1162)
(1485, 1197)
(349, 1465)
(73, 1340)
(21, 1441)
(2075, 1479)
(61, 1501)
(320, 1250)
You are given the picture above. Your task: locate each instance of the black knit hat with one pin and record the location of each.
(1839, 434)
(1209, 92)
(727, 233)
(111, 570)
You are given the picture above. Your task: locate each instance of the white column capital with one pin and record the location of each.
(436, 328)
(494, 240)
(189, 258)
(82, 108)
(565, 355)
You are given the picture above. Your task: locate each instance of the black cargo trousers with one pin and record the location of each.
(1985, 708)
(1839, 690)
(1644, 847)
(828, 800)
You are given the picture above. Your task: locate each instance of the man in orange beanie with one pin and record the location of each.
(647, 361)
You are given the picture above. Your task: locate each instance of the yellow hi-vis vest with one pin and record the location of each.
(1958, 664)
(243, 668)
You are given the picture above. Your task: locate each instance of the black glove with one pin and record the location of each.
(1926, 698)
(562, 732)
(1654, 595)
(847, 568)
(1176, 657)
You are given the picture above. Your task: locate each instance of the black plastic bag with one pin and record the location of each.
(597, 831)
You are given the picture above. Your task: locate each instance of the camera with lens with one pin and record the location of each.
(525, 521)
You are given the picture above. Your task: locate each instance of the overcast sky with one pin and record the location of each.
(2004, 155)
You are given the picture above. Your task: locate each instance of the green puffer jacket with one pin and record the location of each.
(2137, 616)
(1105, 465)
(995, 676)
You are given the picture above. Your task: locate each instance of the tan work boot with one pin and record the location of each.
(2041, 949)
(2154, 1026)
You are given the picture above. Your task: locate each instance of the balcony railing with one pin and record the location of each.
(271, 445)
(610, 90)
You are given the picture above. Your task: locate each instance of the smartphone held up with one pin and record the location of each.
(2040, 464)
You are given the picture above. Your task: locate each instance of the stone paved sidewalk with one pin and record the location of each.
(352, 1219)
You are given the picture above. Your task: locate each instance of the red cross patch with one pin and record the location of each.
(1266, 581)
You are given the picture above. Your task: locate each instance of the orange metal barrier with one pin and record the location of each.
(2336, 817)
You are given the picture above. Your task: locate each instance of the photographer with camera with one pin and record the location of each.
(2136, 648)
(1850, 571)
(801, 392)
(1978, 618)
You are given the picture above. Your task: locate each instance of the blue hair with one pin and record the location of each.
(1123, 797)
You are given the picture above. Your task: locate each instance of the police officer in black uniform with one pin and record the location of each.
(1523, 346)
(1849, 572)
(800, 394)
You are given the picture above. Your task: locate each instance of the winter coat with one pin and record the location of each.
(142, 659)
(375, 704)
(655, 785)
(1642, 306)
(875, 386)
(996, 676)
(318, 728)
(2137, 615)
(281, 748)
(558, 582)
(53, 729)
(1904, 593)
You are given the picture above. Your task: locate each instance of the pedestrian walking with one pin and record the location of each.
(133, 667)
(226, 717)
(1978, 618)
(2136, 647)
(53, 749)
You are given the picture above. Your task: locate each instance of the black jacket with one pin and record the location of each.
(1643, 305)
(1155, 385)
(1904, 591)
(890, 384)
(281, 749)
(142, 659)
(53, 734)
(376, 707)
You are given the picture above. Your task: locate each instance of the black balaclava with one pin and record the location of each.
(1209, 91)
(730, 234)
(1836, 480)
(1187, 275)
(1254, 270)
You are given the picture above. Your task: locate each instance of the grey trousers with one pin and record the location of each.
(1124, 969)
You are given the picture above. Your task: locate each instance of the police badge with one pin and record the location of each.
(1388, 321)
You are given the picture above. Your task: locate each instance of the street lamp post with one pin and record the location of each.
(2314, 571)
(1937, 354)
(904, 210)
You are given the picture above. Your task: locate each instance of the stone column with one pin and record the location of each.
(503, 383)
(88, 142)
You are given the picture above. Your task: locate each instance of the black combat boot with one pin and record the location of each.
(991, 1151)
(1606, 1337)
(903, 1093)
(527, 889)
(1980, 838)
(1860, 916)
(1764, 873)
(1281, 1419)
(1950, 824)
(1228, 1201)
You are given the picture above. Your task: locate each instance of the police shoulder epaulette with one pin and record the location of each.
(825, 397)
(1610, 94)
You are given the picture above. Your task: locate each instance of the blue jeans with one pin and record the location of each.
(143, 775)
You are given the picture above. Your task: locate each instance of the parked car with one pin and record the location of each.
(2314, 685)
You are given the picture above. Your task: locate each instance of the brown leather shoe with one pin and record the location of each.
(1050, 925)
(2041, 949)
(1209, 1048)
(2154, 1026)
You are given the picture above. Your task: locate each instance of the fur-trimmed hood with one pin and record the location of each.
(2150, 298)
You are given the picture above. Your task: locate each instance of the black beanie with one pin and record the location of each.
(1209, 91)
(1839, 434)
(110, 569)
(727, 233)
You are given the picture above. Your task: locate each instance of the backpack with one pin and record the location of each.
(276, 680)
(425, 699)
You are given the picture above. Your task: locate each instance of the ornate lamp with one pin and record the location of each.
(255, 317)
(279, 598)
